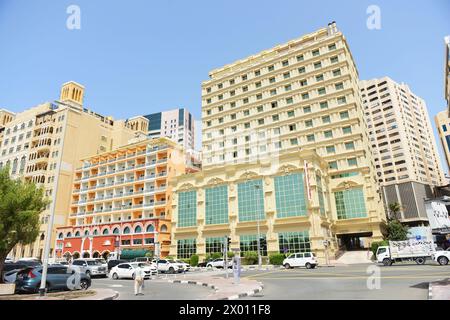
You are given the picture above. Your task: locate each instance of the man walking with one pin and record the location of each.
(138, 280)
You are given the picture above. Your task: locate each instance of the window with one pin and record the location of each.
(341, 100)
(290, 195)
(272, 80)
(337, 72)
(310, 138)
(331, 149)
(258, 84)
(352, 162)
(339, 86)
(270, 68)
(290, 113)
(214, 244)
(300, 58)
(292, 242)
(303, 82)
(216, 205)
(301, 70)
(285, 63)
(286, 75)
(244, 77)
(289, 100)
(328, 134)
(346, 130)
(260, 121)
(317, 65)
(324, 105)
(288, 87)
(350, 145)
(332, 47)
(326, 119)
(315, 53)
(187, 209)
(251, 201)
(307, 109)
(250, 243)
(319, 77)
(260, 108)
(332, 165)
(334, 59)
(305, 96)
(344, 115)
(294, 141)
(273, 92)
(275, 117)
(308, 123)
(321, 91)
(186, 248)
(350, 204)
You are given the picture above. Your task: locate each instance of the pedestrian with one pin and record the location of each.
(138, 280)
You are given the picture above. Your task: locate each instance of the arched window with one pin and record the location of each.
(105, 232)
(116, 231)
(77, 234)
(60, 236)
(150, 228)
(126, 230)
(86, 233)
(69, 234)
(163, 228)
(95, 232)
(138, 229)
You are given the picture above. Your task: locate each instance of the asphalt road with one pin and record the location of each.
(349, 282)
(154, 290)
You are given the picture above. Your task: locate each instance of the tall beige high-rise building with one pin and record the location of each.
(296, 102)
(447, 72)
(45, 144)
(442, 120)
(403, 144)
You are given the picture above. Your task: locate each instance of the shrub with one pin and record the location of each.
(251, 257)
(276, 259)
(230, 254)
(216, 255)
(194, 260)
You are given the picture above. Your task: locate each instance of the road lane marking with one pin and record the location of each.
(349, 277)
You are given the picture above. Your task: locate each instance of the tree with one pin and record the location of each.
(396, 231)
(395, 209)
(21, 203)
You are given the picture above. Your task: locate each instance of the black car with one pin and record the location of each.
(113, 263)
(204, 263)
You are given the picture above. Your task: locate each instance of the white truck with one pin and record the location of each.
(408, 250)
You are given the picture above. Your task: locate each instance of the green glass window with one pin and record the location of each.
(350, 145)
(186, 248)
(293, 242)
(187, 209)
(214, 244)
(307, 109)
(328, 134)
(344, 114)
(251, 200)
(331, 149)
(290, 195)
(326, 119)
(310, 138)
(346, 130)
(308, 123)
(250, 243)
(352, 162)
(332, 165)
(216, 205)
(324, 105)
(350, 204)
(320, 194)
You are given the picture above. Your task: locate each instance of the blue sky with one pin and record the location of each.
(138, 57)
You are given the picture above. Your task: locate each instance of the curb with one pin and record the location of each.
(245, 294)
(430, 291)
(233, 297)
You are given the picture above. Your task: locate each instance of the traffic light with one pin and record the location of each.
(228, 242)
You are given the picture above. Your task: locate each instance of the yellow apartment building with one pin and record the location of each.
(45, 144)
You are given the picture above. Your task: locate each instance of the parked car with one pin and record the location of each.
(127, 270)
(9, 260)
(10, 271)
(168, 266)
(219, 263)
(441, 256)
(186, 266)
(30, 262)
(103, 262)
(91, 267)
(143, 259)
(115, 262)
(29, 279)
(302, 259)
(204, 263)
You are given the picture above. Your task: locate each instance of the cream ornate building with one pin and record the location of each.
(298, 97)
(45, 144)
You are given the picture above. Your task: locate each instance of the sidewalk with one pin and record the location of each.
(98, 294)
(439, 290)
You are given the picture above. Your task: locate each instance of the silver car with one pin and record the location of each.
(91, 267)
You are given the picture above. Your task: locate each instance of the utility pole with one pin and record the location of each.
(225, 255)
(48, 236)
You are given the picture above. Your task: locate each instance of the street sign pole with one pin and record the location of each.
(225, 255)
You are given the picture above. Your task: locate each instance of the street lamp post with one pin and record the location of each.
(258, 242)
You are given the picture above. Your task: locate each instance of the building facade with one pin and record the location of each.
(447, 72)
(442, 121)
(403, 145)
(301, 95)
(177, 124)
(121, 201)
(288, 205)
(45, 144)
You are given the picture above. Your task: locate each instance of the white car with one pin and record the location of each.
(302, 259)
(218, 263)
(186, 266)
(126, 270)
(441, 256)
(168, 266)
